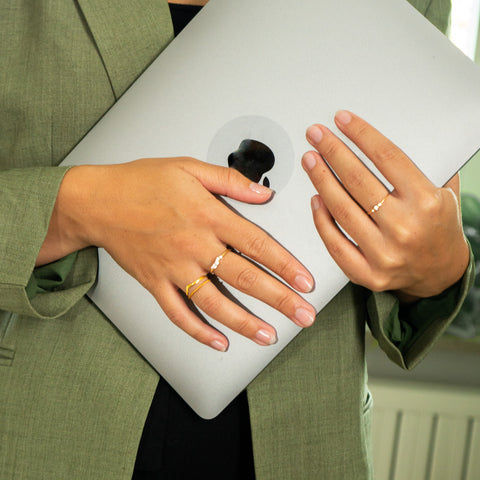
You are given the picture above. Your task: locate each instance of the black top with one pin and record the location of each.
(181, 15)
(176, 443)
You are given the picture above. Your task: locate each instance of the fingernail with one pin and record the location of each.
(266, 337)
(218, 345)
(260, 189)
(343, 117)
(309, 161)
(314, 134)
(303, 283)
(304, 317)
(315, 203)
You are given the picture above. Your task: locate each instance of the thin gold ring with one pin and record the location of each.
(217, 261)
(198, 284)
(376, 207)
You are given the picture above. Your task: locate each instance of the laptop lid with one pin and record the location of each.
(266, 70)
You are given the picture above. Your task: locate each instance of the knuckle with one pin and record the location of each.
(404, 234)
(379, 283)
(354, 179)
(243, 326)
(284, 302)
(331, 148)
(232, 176)
(283, 268)
(236, 176)
(247, 279)
(335, 250)
(185, 249)
(430, 204)
(177, 318)
(386, 152)
(211, 304)
(362, 128)
(391, 263)
(211, 214)
(184, 243)
(197, 331)
(149, 278)
(341, 213)
(256, 247)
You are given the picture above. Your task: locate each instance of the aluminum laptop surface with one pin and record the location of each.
(266, 70)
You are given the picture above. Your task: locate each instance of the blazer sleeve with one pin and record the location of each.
(436, 11)
(57, 85)
(407, 333)
(27, 197)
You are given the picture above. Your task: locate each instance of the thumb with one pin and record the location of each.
(230, 182)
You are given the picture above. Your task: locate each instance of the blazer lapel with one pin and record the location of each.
(129, 35)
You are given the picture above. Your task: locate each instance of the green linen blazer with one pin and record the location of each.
(74, 393)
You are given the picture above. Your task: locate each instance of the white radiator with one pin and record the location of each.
(425, 432)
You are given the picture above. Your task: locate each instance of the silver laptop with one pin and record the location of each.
(266, 70)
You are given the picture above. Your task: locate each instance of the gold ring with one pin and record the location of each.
(198, 284)
(216, 263)
(376, 207)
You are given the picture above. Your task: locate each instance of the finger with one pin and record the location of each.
(349, 215)
(207, 298)
(362, 185)
(253, 242)
(345, 254)
(242, 234)
(223, 310)
(397, 168)
(177, 311)
(229, 182)
(247, 278)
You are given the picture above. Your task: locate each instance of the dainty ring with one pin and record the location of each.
(376, 207)
(198, 284)
(217, 261)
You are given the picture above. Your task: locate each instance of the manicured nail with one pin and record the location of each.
(218, 345)
(309, 161)
(343, 117)
(315, 202)
(314, 134)
(304, 317)
(303, 283)
(260, 189)
(266, 337)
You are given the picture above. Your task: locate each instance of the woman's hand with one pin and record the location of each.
(412, 242)
(159, 220)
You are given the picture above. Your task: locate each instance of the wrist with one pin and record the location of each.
(67, 230)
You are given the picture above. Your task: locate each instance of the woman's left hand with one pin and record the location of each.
(411, 240)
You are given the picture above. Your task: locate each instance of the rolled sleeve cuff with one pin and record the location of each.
(48, 303)
(28, 197)
(406, 334)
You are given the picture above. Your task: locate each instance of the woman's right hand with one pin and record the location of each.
(161, 222)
